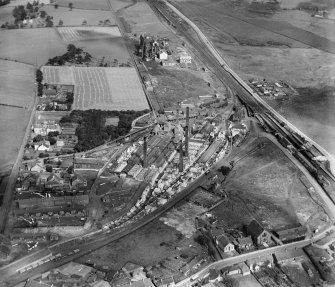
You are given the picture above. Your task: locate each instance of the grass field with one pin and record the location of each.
(85, 4)
(31, 45)
(72, 34)
(100, 88)
(16, 88)
(141, 20)
(120, 4)
(317, 122)
(98, 41)
(77, 16)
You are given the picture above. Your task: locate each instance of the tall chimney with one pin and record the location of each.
(181, 164)
(187, 130)
(145, 152)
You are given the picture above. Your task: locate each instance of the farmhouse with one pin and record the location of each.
(258, 234)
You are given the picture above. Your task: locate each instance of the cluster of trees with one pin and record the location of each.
(73, 55)
(39, 79)
(51, 137)
(21, 12)
(91, 129)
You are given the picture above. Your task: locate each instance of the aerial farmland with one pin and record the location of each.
(116, 88)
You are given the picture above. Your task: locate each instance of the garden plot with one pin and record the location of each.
(100, 88)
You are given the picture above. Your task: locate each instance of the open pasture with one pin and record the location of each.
(77, 16)
(254, 31)
(100, 88)
(32, 46)
(72, 34)
(85, 4)
(141, 19)
(17, 91)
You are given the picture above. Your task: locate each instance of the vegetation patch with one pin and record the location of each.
(92, 130)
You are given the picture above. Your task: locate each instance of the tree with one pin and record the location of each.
(52, 140)
(19, 13)
(53, 134)
(70, 169)
(49, 23)
(60, 23)
(70, 6)
(38, 138)
(43, 14)
(29, 7)
(224, 169)
(56, 6)
(39, 76)
(84, 22)
(48, 168)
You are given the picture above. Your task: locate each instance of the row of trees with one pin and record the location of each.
(39, 79)
(91, 129)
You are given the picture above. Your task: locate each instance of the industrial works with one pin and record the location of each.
(147, 161)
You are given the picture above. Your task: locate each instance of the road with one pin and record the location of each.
(249, 256)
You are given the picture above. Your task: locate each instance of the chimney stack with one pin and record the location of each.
(181, 164)
(187, 130)
(145, 152)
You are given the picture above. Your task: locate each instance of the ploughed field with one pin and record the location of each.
(116, 88)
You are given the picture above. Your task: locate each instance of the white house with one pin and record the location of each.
(163, 55)
(42, 146)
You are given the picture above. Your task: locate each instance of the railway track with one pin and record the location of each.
(224, 76)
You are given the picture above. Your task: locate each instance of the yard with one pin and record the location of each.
(17, 89)
(100, 88)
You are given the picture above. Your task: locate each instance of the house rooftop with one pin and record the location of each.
(244, 240)
(255, 229)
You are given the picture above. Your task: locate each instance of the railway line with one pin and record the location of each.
(244, 92)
